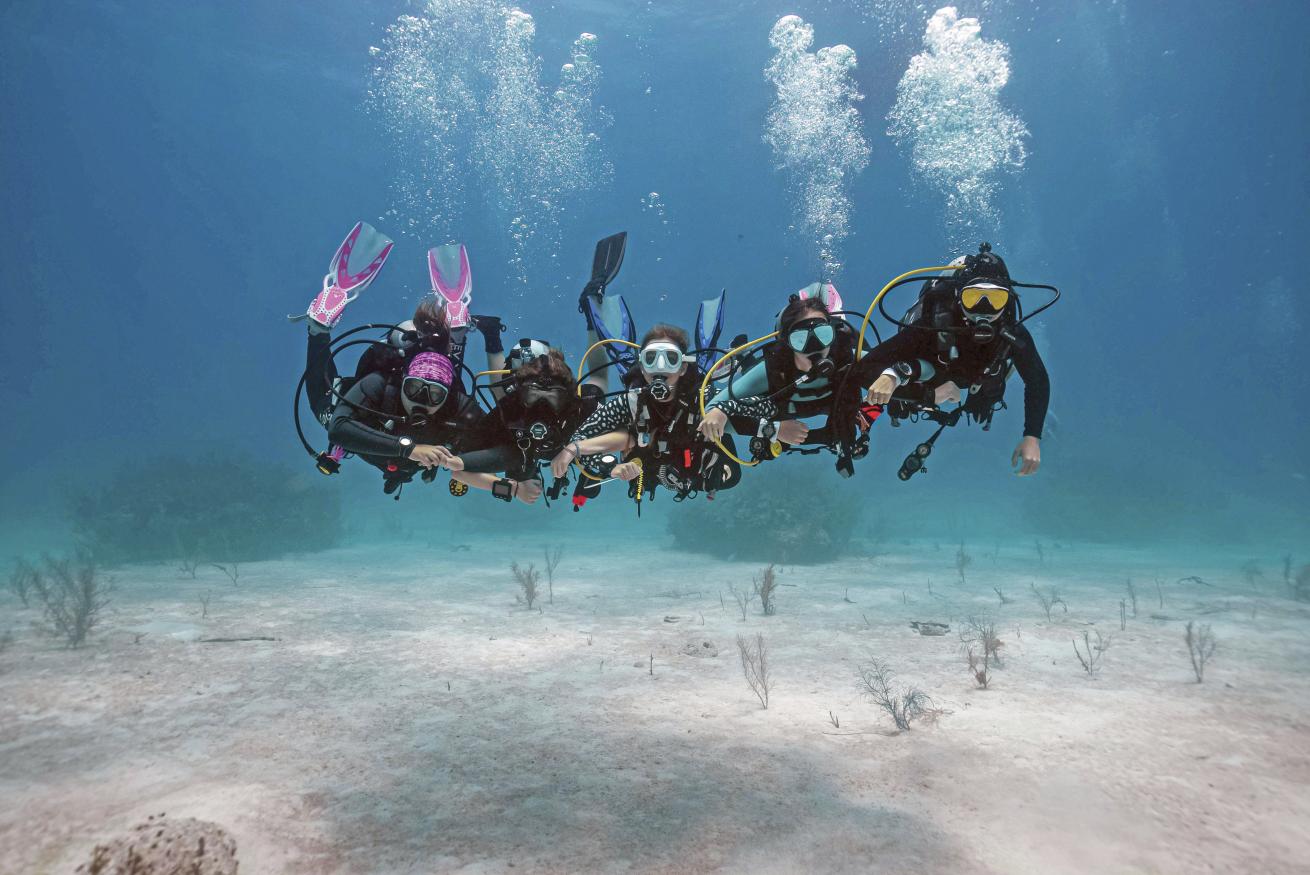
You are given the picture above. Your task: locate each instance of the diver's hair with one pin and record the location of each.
(550, 366)
(842, 351)
(672, 333)
(792, 313)
(430, 318)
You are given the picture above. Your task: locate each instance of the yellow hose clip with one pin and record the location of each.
(706, 382)
(864, 326)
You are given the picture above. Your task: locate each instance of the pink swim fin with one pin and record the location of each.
(452, 281)
(354, 266)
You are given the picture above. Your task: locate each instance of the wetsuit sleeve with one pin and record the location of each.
(750, 384)
(746, 398)
(1036, 383)
(493, 459)
(352, 435)
(904, 346)
(754, 407)
(614, 415)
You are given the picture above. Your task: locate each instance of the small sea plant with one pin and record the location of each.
(743, 598)
(232, 571)
(73, 596)
(980, 634)
(1092, 652)
(1200, 647)
(552, 562)
(765, 587)
(903, 704)
(755, 666)
(527, 579)
(962, 561)
(1048, 597)
(979, 667)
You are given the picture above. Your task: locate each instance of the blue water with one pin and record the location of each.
(175, 178)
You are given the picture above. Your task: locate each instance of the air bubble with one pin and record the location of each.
(949, 115)
(815, 132)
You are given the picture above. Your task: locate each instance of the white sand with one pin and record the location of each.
(411, 718)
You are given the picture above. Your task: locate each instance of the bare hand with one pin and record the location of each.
(1029, 452)
(881, 390)
(712, 424)
(527, 491)
(559, 466)
(428, 456)
(454, 463)
(793, 431)
(947, 391)
(626, 471)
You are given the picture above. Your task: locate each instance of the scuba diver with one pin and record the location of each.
(405, 406)
(648, 432)
(965, 331)
(528, 427)
(798, 375)
(540, 403)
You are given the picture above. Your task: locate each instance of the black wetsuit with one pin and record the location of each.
(917, 350)
(368, 419)
(500, 443)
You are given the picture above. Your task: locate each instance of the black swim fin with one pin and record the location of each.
(609, 258)
(604, 266)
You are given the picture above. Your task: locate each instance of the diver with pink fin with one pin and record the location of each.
(406, 407)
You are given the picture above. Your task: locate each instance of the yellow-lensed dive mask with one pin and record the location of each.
(984, 299)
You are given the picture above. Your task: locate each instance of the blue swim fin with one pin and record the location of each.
(613, 321)
(709, 325)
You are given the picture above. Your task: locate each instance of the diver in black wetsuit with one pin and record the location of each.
(406, 410)
(964, 333)
(530, 425)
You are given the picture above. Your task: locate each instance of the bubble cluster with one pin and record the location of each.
(949, 115)
(656, 221)
(815, 132)
(474, 126)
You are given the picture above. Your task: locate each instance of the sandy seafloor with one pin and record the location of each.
(410, 717)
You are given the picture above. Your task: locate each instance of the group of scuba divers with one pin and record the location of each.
(685, 417)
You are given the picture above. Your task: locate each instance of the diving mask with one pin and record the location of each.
(662, 357)
(540, 395)
(811, 335)
(426, 393)
(984, 301)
